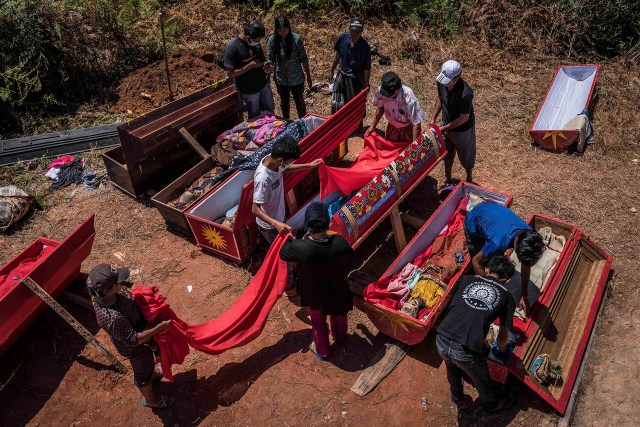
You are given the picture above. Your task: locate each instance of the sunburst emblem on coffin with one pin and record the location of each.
(214, 237)
(395, 320)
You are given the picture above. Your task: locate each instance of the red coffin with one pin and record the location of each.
(390, 186)
(569, 94)
(560, 324)
(53, 265)
(327, 141)
(398, 325)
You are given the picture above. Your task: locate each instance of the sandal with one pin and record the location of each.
(165, 402)
(312, 349)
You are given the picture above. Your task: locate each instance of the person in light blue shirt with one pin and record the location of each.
(492, 229)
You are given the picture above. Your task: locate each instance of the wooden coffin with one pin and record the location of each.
(153, 153)
(327, 140)
(374, 202)
(398, 325)
(561, 322)
(53, 265)
(568, 95)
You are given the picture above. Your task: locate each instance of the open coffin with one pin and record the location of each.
(568, 95)
(53, 265)
(561, 321)
(391, 321)
(152, 151)
(326, 140)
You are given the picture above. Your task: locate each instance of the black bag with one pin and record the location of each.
(220, 61)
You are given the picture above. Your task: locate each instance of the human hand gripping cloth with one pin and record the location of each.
(239, 325)
(375, 156)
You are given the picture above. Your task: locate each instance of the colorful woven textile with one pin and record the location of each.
(387, 184)
(254, 133)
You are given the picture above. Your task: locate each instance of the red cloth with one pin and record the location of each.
(375, 156)
(24, 268)
(61, 161)
(236, 327)
(443, 247)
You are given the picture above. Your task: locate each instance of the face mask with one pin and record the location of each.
(283, 167)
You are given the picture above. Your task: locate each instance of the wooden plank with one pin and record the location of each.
(390, 353)
(411, 221)
(193, 143)
(31, 284)
(398, 231)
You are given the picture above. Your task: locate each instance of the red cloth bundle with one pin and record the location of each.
(236, 327)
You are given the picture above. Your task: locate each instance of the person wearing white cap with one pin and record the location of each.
(455, 100)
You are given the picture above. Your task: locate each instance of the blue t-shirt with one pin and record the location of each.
(353, 60)
(496, 224)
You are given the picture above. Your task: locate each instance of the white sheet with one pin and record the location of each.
(568, 96)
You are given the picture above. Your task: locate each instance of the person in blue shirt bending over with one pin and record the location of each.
(491, 229)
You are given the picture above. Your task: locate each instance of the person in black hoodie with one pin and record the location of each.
(323, 263)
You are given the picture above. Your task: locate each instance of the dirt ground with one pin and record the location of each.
(50, 377)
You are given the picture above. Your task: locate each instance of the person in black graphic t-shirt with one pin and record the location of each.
(476, 303)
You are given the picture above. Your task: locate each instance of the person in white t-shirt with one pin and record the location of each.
(268, 192)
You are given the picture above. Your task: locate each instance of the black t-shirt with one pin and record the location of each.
(458, 101)
(237, 54)
(476, 303)
(323, 267)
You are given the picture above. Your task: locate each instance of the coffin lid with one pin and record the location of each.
(564, 322)
(156, 131)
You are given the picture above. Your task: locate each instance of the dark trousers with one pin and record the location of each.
(459, 359)
(297, 92)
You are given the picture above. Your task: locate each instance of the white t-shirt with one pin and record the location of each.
(268, 192)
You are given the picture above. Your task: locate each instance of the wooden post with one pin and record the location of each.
(166, 60)
(193, 143)
(292, 202)
(398, 231)
(411, 221)
(31, 284)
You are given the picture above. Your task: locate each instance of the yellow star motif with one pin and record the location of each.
(554, 135)
(214, 237)
(394, 320)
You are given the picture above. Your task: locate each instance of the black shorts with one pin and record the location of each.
(142, 362)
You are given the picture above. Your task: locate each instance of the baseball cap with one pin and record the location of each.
(256, 29)
(317, 216)
(450, 70)
(104, 276)
(390, 83)
(356, 23)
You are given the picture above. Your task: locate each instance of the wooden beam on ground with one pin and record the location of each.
(412, 221)
(31, 284)
(390, 353)
(398, 231)
(193, 143)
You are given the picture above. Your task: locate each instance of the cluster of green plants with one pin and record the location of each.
(58, 52)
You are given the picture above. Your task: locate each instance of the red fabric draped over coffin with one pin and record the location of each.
(375, 156)
(236, 327)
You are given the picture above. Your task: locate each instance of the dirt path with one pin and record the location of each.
(50, 378)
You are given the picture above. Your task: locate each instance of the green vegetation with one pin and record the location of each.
(56, 53)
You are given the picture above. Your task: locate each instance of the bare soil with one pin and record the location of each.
(50, 377)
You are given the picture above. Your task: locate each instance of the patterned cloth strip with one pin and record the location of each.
(389, 182)
(254, 133)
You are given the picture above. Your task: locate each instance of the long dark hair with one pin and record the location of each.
(283, 22)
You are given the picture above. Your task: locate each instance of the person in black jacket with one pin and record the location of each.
(323, 263)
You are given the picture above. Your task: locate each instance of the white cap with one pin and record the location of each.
(450, 70)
